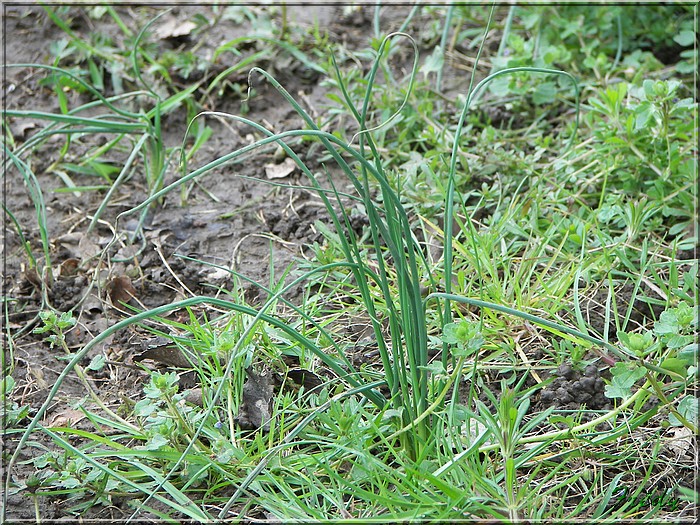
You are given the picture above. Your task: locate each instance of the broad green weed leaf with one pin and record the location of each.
(688, 408)
(689, 353)
(436, 368)
(667, 323)
(545, 93)
(678, 341)
(144, 408)
(97, 363)
(685, 38)
(673, 364)
(465, 335)
(625, 375)
(643, 113)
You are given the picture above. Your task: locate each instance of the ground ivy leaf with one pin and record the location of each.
(97, 363)
(689, 353)
(545, 93)
(157, 442)
(450, 333)
(667, 323)
(435, 368)
(144, 408)
(685, 38)
(625, 375)
(688, 408)
(678, 341)
(614, 390)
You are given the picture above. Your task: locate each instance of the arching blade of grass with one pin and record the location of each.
(22, 239)
(100, 99)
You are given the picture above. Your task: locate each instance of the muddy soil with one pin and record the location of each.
(232, 218)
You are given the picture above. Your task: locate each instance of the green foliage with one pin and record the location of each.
(57, 325)
(688, 408)
(624, 376)
(639, 344)
(458, 197)
(465, 335)
(677, 329)
(12, 413)
(675, 326)
(676, 352)
(646, 136)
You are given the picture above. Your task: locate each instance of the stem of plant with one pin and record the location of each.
(436, 403)
(662, 397)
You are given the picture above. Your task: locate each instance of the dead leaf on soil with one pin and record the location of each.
(175, 28)
(218, 274)
(163, 351)
(194, 397)
(97, 326)
(120, 290)
(69, 267)
(681, 442)
(38, 374)
(255, 408)
(19, 129)
(305, 378)
(281, 170)
(70, 238)
(65, 418)
(93, 305)
(87, 249)
(31, 275)
(128, 252)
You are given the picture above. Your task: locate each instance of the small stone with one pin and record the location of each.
(563, 395)
(565, 370)
(587, 383)
(591, 371)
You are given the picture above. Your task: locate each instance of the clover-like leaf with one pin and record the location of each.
(624, 376)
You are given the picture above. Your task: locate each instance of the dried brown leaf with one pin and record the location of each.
(305, 378)
(194, 397)
(281, 170)
(163, 351)
(65, 418)
(175, 28)
(87, 249)
(254, 412)
(681, 441)
(69, 267)
(31, 275)
(120, 290)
